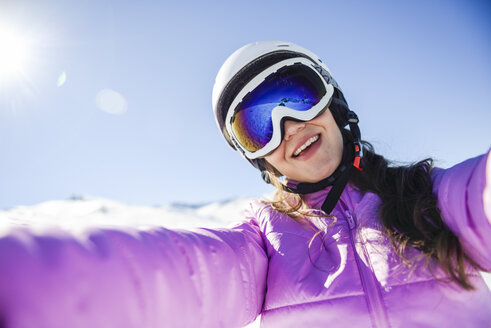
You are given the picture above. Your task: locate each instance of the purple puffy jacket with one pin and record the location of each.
(226, 277)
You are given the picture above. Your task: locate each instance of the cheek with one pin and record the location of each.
(274, 158)
(338, 142)
(278, 161)
(336, 146)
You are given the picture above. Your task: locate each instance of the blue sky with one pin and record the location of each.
(418, 73)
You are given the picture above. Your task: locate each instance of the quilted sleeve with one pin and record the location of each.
(464, 198)
(132, 278)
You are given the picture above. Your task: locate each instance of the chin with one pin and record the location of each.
(320, 175)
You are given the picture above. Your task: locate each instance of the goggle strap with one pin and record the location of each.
(326, 75)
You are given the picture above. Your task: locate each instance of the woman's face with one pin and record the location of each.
(319, 159)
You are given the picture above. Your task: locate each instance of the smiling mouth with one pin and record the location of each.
(306, 145)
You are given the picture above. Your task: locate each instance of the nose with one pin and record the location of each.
(292, 128)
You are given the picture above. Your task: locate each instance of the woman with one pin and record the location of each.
(348, 241)
(388, 246)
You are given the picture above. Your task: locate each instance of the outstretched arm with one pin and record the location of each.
(116, 278)
(464, 198)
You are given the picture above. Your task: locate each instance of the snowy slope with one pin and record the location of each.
(81, 212)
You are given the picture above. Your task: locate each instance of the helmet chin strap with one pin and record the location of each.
(352, 157)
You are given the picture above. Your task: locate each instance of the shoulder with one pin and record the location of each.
(259, 207)
(478, 168)
(261, 210)
(268, 218)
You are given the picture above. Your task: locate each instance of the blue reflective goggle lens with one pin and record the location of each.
(297, 87)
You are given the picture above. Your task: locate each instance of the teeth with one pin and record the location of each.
(305, 145)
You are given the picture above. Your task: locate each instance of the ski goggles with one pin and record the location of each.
(290, 89)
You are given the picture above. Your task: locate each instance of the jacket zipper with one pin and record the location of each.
(368, 282)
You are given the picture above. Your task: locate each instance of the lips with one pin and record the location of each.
(305, 146)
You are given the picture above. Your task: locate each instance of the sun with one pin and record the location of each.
(14, 54)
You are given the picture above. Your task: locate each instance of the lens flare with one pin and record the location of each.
(61, 79)
(111, 102)
(14, 54)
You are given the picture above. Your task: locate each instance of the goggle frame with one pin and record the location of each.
(279, 113)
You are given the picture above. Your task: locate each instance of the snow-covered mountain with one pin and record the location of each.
(81, 212)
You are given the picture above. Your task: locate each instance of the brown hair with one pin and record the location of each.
(409, 212)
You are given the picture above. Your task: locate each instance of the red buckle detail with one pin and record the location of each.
(356, 163)
(357, 148)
